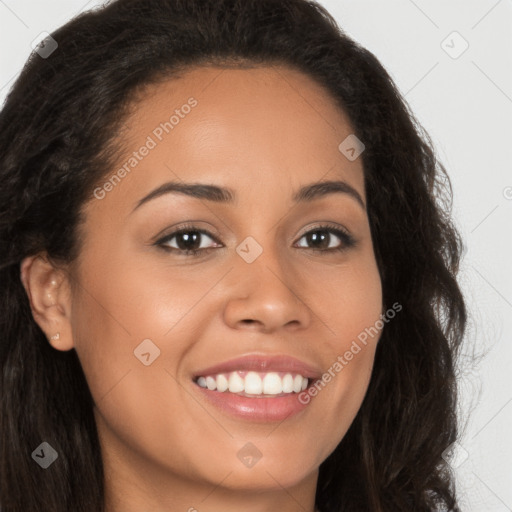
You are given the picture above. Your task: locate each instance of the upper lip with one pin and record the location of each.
(263, 363)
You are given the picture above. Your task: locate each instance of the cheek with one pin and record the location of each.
(137, 404)
(347, 299)
(349, 303)
(128, 308)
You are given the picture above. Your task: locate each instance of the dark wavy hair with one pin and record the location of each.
(60, 134)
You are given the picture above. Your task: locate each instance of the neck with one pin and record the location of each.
(127, 495)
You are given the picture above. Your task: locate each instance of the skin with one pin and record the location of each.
(263, 132)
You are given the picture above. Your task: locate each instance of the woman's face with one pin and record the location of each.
(148, 319)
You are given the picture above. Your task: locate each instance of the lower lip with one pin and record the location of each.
(259, 409)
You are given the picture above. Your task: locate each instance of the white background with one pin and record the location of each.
(465, 104)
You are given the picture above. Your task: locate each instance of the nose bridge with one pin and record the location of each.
(264, 284)
(263, 257)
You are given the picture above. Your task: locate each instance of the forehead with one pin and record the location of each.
(258, 129)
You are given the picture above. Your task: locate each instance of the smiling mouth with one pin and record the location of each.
(255, 384)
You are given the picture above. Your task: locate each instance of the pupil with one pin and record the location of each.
(313, 237)
(189, 240)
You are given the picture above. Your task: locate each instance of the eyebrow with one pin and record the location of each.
(226, 195)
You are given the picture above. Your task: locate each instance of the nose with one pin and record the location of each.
(266, 296)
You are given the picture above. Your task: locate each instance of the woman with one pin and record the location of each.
(228, 271)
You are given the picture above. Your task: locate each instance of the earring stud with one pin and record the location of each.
(55, 336)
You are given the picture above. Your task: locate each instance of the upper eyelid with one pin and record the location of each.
(326, 226)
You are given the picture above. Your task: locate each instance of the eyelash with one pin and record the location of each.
(348, 240)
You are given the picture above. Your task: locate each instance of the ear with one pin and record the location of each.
(49, 292)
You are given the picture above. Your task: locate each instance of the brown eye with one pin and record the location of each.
(189, 241)
(321, 239)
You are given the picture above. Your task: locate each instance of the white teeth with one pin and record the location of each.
(254, 383)
(297, 384)
(288, 383)
(211, 383)
(272, 384)
(222, 383)
(236, 383)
